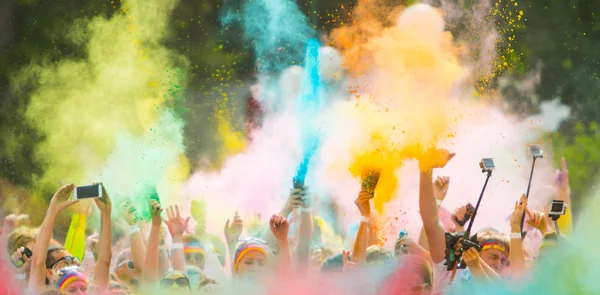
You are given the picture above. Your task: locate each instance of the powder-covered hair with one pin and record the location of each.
(20, 237)
(377, 253)
(490, 235)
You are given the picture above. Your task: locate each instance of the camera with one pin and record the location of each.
(536, 151)
(487, 165)
(453, 254)
(557, 209)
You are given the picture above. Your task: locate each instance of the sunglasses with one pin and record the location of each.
(130, 264)
(182, 282)
(69, 260)
(196, 256)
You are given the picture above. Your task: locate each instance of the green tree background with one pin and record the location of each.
(558, 38)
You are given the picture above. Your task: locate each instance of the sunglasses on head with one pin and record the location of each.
(182, 282)
(69, 260)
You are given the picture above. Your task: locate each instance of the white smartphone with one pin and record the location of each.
(88, 191)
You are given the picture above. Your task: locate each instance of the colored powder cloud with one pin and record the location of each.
(109, 100)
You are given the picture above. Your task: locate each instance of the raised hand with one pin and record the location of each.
(435, 158)
(279, 227)
(370, 178)
(155, 211)
(127, 211)
(561, 179)
(233, 231)
(515, 219)
(60, 200)
(104, 203)
(363, 203)
(538, 220)
(18, 259)
(176, 224)
(294, 201)
(440, 187)
(348, 265)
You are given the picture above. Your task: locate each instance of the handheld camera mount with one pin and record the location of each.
(453, 253)
(557, 209)
(536, 153)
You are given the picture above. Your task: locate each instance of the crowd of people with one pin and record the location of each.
(128, 255)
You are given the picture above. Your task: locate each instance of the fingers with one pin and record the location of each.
(177, 211)
(563, 164)
(227, 225)
(529, 214)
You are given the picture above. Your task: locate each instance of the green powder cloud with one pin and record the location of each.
(110, 115)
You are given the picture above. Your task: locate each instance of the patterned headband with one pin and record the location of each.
(248, 246)
(68, 277)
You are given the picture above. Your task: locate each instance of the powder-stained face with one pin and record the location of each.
(252, 264)
(77, 288)
(175, 281)
(195, 259)
(496, 259)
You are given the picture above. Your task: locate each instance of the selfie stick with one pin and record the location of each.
(535, 157)
(467, 233)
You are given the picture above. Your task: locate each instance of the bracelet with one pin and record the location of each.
(134, 229)
(516, 236)
(438, 202)
(305, 210)
(365, 219)
(177, 246)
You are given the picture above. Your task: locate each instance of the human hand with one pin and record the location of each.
(348, 265)
(128, 212)
(279, 227)
(471, 258)
(434, 158)
(561, 180)
(155, 211)
(233, 231)
(18, 259)
(294, 201)
(10, 223)
(363, 203)
(91, 242)
(23, 220)
(104, 203)
(175, 223)
(60, 200)
(440, 187)
(517, 215)
(538, 220)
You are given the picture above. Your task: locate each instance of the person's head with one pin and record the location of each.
(250, 258)
(127, 274)
(334, 264)
(175, 281)
(72, 281)
(118, 288)
(495, 249)
(195, 253)
(21, 237)
(377, 255)
(56, 259)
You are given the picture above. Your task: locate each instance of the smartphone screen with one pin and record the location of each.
(88, 191)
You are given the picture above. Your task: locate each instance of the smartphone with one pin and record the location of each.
(27, 252)
(88, 191)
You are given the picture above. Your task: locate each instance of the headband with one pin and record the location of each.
(244, 248)
(493, 245)
(194, 247)
(68, 278)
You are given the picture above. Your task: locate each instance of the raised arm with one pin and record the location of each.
(280, 227)
(101, 274)
(563, 192)
(440, 190)
(302, 251)
(58, 203)
(138, 247)
(428, 205)
(177, 226)
(517, 255)
(150, 271)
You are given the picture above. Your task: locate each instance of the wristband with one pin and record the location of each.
(134, 229)
(365, 219)
(305, 210)
(177, 246)
(516, 236)
(438, 202)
